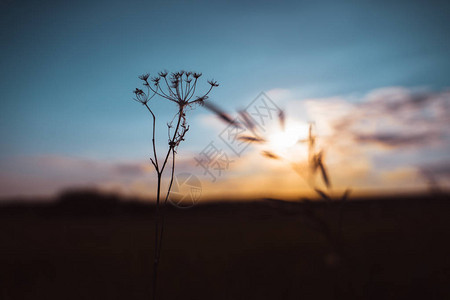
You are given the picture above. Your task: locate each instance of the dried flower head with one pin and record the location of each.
(156, 80)
(144, 77)
(175, 82)
(138, 92)
(140, 96)
(174, 89)
(213, 83)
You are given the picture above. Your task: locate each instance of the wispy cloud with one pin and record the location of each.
(397, 117)
(384, 125)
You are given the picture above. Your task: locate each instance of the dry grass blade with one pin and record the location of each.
(282, 119)
(346, 195)
(311, 145)
(314, 165)
(323, 194)
(248, 122)
(317, 163)
(311, 136)
(324, 173)
(251, 139)
(221, 114)
(270, 155)
(310, 131)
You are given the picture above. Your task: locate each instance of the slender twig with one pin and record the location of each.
(153, 138)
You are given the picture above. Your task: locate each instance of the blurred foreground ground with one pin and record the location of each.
(102, 249)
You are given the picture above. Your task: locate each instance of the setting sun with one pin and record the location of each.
(284, 142)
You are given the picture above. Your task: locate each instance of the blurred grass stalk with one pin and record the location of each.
(315, 164)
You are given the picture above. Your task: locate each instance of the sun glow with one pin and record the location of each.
(282, 141)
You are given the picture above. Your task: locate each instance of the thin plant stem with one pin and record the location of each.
(163, 217)
(156, 260)
(153, 138)
(158, 234)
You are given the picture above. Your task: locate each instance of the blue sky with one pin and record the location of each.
(68, 67)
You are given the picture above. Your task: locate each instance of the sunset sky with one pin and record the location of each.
(373, 76)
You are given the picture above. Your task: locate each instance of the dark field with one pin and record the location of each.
(103, 249)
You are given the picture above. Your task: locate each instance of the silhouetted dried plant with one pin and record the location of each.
(179, 88)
